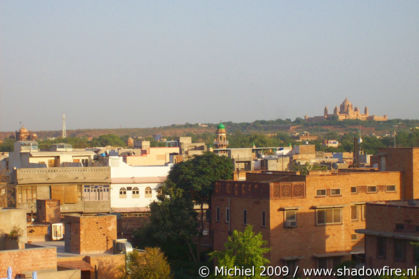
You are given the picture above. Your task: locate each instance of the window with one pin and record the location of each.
(391, 188)
(227, 215)
(291, 264)
(325, 262)
(321, 193)
(122, 193)
(371, 189)
(148, 192)
(335, 192)
(355, 210)
(217, 215)
(96, 192)
(399, 227)
(354, 190)
(245, 217)
(336, 261)
(381, 247)
(363, 211)
(329, 216)
(399, 250)
(263, 219)
(135, 192)
(290, 218)
(322, 263)
(416, 254)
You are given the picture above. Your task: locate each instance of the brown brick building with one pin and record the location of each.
(90, 234)
(307, 220)
(405, 160)
(391, 228)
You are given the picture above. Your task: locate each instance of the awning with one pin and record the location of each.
(292, 258)
(357, 252)
(328, 206)
(289, 208)
(389, 234)
(330, 255)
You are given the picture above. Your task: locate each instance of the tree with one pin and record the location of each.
(152, 264)
(173, 227)
(197, 177)
(7, 145)
(173, 222)
(244, 249)
(109, 139)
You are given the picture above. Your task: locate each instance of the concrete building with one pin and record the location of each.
(392, 228)
(134, 188)
(309, 220)
(304, 153)
(305, 137)
(79, 189)
(189, 149)
(26, 154)
(405, 160)
(275, 163)
(144, 155)
(12, 229)
(90, 247)
(25, 260)
(331, 143)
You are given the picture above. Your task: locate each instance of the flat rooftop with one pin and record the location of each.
(61, 253)
(409, 203)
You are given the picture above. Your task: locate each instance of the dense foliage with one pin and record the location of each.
(243, 249)
(174, 224)
(152, 264)
(198, 176)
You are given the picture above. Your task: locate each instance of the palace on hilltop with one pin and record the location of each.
(347, 111)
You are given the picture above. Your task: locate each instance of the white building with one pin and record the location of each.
(26, 154)
(134, 188)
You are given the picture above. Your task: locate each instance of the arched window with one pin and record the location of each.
(148, 192)
(122, 193)
(135, 192)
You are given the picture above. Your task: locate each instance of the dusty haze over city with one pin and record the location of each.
(112, 64)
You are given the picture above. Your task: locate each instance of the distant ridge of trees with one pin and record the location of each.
(263, 126)
(260, 133)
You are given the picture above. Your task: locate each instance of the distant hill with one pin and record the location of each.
(259, 126)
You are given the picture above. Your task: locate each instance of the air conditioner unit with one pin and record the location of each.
(57, 231)
(290, 224)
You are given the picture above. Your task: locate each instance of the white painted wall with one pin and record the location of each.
(129, 201)
(120, 170)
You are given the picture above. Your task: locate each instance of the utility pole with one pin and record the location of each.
(64, 132)
(394, 137)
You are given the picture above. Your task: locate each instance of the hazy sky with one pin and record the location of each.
(150, 63)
